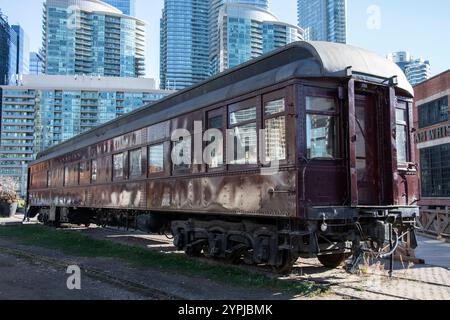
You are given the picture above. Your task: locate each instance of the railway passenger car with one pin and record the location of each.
(337, 121)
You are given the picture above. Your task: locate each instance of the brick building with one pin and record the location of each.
(432, 136)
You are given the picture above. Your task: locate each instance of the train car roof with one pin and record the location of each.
(312, 59)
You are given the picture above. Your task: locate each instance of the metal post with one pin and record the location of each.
(391, 258)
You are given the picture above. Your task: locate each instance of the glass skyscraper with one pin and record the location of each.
(184, 43)
(23, 50)
(90, 37)
(47, 110)
(246, 32)
(127, 7)
(4, 49)
(323, 20)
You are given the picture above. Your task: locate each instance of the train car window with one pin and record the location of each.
(402, 132)
(66, 176)
(243, 124)
(275, 127)
(136, 163)
(94, 169)
(118, 166)
(321, 128)
(81, 172)
(274, 107)
(320, 104)
(241, 116)
(181, 156)
(49, 179)
(156, 159)
(216, 153)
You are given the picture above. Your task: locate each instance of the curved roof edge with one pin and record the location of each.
(298, 60)
(336, 58)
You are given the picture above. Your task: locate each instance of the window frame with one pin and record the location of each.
(271, 97)
(113, 171)
(336, 114)
(49, 179)
(254, 102)
(163, 171)
(426, 108)
(66, 180)
(405, 107)
(178, 169)
(218, 112)
(92, 171)
(130, 175)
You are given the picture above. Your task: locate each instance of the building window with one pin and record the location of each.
(243, 124)
(156, 159)
(94, 169)
(118, 166)
(435, 171)
(321, 128)
(402, 130)
(275, 126)
(433, 112)
(136, 163)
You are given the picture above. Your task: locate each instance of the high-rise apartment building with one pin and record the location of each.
(127, 7)
(417, 70)
(47, 110)
(246, 32)
(184, 43)
(192, 38)
(214, 12)
(90, 37)
(323, 20)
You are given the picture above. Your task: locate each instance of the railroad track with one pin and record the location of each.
(345, 290)
(93, 273)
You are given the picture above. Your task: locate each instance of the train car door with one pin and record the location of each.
(323, 177)
(368, 173)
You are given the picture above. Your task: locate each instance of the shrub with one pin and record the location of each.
(8, 196)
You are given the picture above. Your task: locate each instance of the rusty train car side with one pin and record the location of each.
(347, 178)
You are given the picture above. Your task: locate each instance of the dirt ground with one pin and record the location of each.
(37, 273)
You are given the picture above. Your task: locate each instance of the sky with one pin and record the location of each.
(382, 26)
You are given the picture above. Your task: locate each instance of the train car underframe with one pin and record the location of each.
(331, 234)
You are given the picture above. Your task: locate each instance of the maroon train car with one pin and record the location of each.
(337, 119)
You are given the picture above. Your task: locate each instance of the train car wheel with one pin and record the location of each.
(194, 251)
(287, 264)
(332, 261)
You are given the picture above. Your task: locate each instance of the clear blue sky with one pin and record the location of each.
(382, 26)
